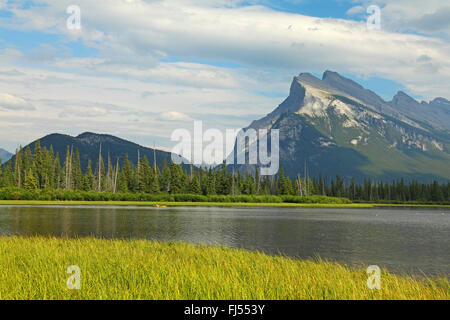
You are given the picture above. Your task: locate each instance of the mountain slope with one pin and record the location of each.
(5, 155)
(338, 127)
(436, 113)
(88, 145)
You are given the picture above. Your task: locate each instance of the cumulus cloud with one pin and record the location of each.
(159, 56)
(132, 36)
(11, 102)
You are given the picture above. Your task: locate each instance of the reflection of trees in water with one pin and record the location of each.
(66, 222)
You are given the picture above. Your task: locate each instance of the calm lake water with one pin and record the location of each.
(414, 241)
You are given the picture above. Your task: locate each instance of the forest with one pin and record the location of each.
(41, 169)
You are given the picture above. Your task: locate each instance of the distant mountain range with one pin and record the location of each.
(5, 155)
(335, 126)
(88, 145)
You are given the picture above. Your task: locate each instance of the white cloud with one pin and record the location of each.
(174, 116)
(83, 112)
(431, 16)
(133, 37)
(355, 10)
(10, 102)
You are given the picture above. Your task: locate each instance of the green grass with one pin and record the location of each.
(183, 204)
(412, 205)
(210, 204)
(35, 268)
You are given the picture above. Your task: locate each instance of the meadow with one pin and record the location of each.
(36, 268)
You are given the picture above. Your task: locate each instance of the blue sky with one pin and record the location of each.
(140, 68)
(314, 8)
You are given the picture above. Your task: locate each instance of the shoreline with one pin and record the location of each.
(211, 204)
(140, 269)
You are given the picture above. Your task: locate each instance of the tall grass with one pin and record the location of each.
(35, 268)
(77, 195)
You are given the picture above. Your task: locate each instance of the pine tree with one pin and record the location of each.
(145, 176)
(164, 180)
(68, 169)
(38, 164)
(194, 186)
(76, 171)
(211, 183)
(175, 179)
(30, 181)
(88, 179)
(155, 188)
(249, 184)
(18, 176)
(27, 161)
(127, 175)
(57, 176)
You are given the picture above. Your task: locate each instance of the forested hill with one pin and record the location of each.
(88, 145)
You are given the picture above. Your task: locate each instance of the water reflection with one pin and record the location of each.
(406, 240)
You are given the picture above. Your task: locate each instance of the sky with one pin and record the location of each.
(139, 69)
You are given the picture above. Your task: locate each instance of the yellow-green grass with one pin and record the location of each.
(412, 205)
(35, 268)
(182, 204)
(209, 204)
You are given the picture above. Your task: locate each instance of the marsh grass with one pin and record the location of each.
(35, 268)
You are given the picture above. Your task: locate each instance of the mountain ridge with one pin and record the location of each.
(5, 155)
(88, 145)
(375, 138)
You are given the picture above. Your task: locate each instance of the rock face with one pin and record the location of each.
(336, 126)
(5, 155)
(435, 113)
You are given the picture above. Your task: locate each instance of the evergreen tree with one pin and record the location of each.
(18, 167)
(175, 180)
(31, 183)
(88, 179)
(164, 179)
(194, 186)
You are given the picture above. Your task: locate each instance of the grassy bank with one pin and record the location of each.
(210, 204)
(183, 204)
(69, 197)
(35, 268)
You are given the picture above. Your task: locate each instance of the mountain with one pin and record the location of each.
(88, 144)
(5, 155)
(435, 113)
(336, 126)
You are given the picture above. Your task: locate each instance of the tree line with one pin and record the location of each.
(41, 169)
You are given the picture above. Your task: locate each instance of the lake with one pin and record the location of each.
(403, 240)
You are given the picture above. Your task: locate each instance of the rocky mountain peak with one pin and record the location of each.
(328, 74)
(335, 121)
(441, 101)
(402, 97)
